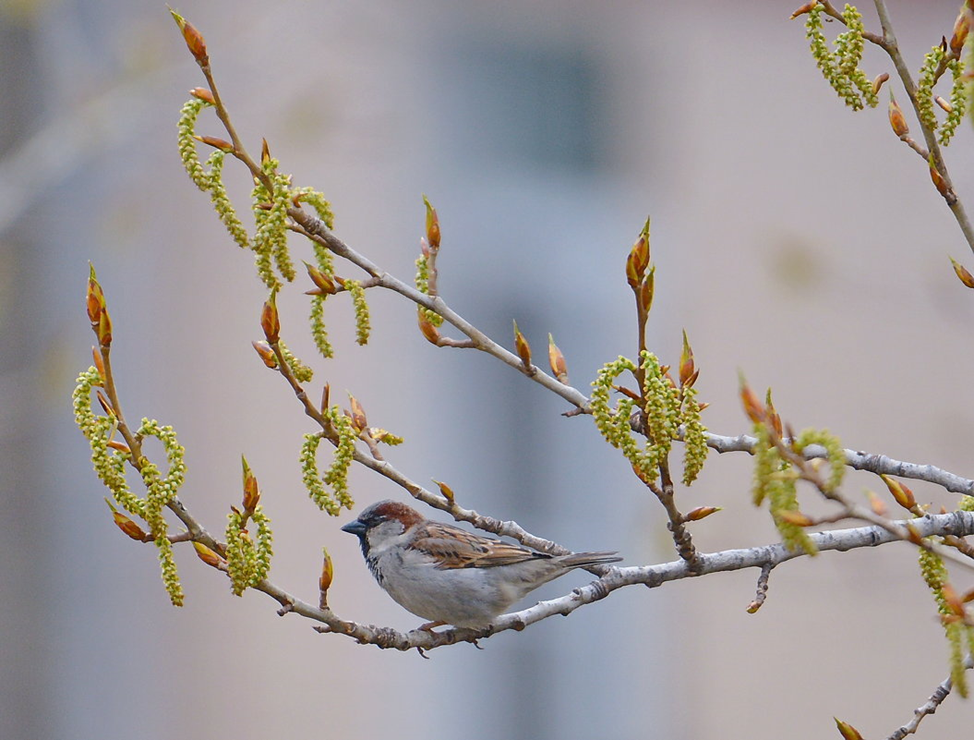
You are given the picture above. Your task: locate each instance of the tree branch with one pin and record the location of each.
(933, 703)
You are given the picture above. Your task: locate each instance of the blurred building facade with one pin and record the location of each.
(794, 241)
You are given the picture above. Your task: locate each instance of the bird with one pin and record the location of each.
(447, 575)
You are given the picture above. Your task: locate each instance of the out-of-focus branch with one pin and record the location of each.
(932, 704)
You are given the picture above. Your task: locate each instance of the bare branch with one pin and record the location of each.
(932, 704)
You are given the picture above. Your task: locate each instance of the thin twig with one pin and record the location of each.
(932, 704)
(762, 588)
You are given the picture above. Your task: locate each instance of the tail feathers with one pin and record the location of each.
(582, 559)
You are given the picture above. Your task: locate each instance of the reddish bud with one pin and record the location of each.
(903, 495)
(700, 512)
(847, 731)
(104, 330)
(358, 414)
(322, 281)
(877, 505)
(938, 180)
(130, 528)
(265, 152)
(557, 361)
(193, 38)
(99, 361)
(95, 298)
(216, 143)
(203, 94)
(266, 354)
(251, 491)
(106, 406)
(687, 369)
(896, 118)
(208, 556)
(803, 9)
(120, 446)
(445, 490)
(647, 290)
(270, 321)
(953, 600)
(325, 579)
(752, 405)
(428, 328)
(432, 225)
(879, 82)
(325, 397)
(522, 346)
(773, 418)
(795, 517)
(913, 535)
(962, 273)
(962, 27)
(944, 104)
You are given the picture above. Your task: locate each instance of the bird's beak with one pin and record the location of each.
(356, 528)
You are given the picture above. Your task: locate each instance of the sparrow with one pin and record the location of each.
(447, 575)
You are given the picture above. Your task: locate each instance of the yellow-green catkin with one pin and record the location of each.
(301, 372)
(221, 201)
(109, 464)
(160, 491)
(329, 492)
(777, 483)
(662, 405)
(958, 102)
(694, 437)
(319, 331)
(925, 82)
(834, 452)
(317, 201)
(422, 285)
(248, 562)
(615, 423)
(934, 573)
(363, 325)
(186, 129)
(841, 67)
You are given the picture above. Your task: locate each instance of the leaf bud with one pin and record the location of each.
(251, 491)
(193, 38)
(803, 9)
(428, 328)
(700, 512)
(962, 27)
(322, 281)
(266, 354)
(357, 414)
(128, 526)
(522, 346)
(445, 490)
(325, 579)
(432, 225)
(203, 94)
(896, 118)
(208, 556)
(847, 731)
(938, 180)
(962, 273)
(879, 82)
(216, 143)
(752, 405)
(903, 495)
(270, 321)
(557, 361)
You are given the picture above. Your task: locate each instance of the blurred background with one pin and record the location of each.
(795, 241)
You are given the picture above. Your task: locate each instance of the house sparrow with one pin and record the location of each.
(450, 576)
